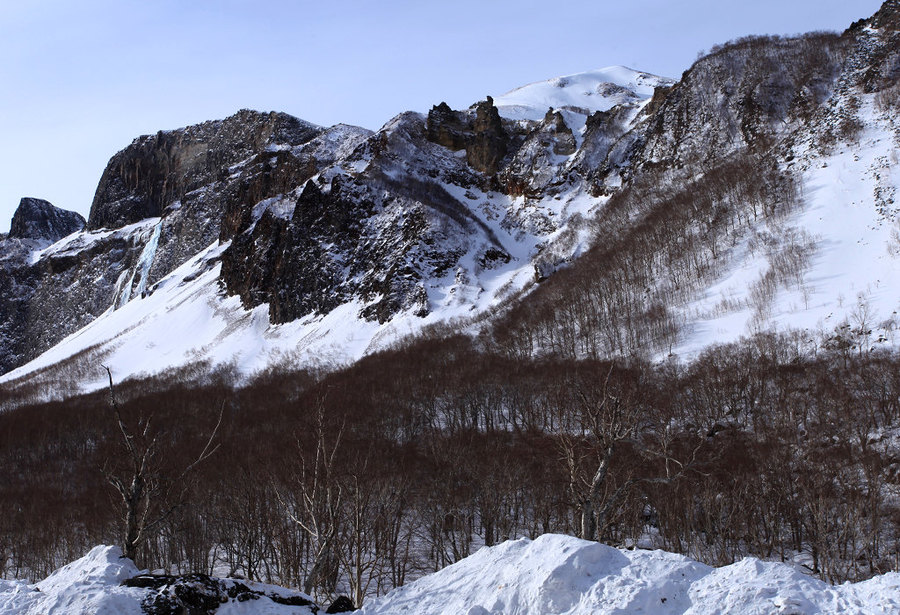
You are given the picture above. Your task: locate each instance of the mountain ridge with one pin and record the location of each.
(447, 216)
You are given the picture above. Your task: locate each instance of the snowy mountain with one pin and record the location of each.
(329, 243)
(764, 183)
(582, 94)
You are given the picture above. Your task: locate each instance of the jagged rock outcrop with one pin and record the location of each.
(382, 225)
(490, 141)
(192, 177)
(479, 131)
(167, 194)
(157, 170)
(537, 163)
(40, 220)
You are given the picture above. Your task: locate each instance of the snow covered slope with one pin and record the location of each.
(581, 93)
(563, 575)
(845, 238)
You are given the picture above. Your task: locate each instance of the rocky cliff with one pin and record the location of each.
(159, 202)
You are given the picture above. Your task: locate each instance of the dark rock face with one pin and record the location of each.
(39, 219)
(324, 255)
(199, 594)
(294, 264)
(481, 134)
(157, 170)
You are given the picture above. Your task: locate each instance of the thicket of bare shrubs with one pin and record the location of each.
(658, 243)
(364, 479)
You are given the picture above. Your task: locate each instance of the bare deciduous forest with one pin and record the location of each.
(363, 479)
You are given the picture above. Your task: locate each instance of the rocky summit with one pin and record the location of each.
(39, 220)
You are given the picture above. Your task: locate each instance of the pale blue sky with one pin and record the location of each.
(81, 80)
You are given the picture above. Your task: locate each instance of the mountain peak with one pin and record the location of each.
(40, 219)
(157, 170)
(582, 93)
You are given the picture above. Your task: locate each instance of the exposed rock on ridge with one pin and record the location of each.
(165, 195)
(157, 170)
(39, 219)
(479, 131)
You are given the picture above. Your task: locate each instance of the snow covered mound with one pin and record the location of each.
(88, 585)
(583, 93)
(560, 574)
(93, 585)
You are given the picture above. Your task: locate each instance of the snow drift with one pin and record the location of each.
(93, 585)
(559, 574)
(552, 574)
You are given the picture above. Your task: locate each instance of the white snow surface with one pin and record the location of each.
(581, 93)
(850, 216)
(551, 575)
(88, 585)
(556, 574)
(92, 586)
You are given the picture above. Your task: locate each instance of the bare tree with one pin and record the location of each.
(607, 419)
(145, 492)
(316, 506)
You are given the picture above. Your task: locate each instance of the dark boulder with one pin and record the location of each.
(39, 219)
(200, 594)
(342, 604)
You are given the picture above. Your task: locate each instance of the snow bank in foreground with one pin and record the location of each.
(92, 586)
(88, 585)
(551, 575)
(559, 574)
